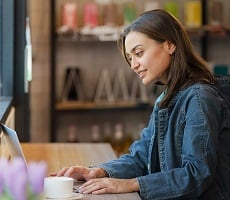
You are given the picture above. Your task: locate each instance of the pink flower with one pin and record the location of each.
(15, 178)
(19, 183)
(37, 172)
(19, 191)
(3, 167)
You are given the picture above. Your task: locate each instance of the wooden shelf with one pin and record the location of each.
(194, 32)
(75, 105)
(217, 30)
(72, 38)
(78, 37)
(90, 35)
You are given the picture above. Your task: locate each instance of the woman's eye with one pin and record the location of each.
(129, 58)
(139, 53)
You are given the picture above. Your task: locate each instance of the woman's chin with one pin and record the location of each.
(145, 82)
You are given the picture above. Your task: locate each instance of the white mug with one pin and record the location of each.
(58, 187)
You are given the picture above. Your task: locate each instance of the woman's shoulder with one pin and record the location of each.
(221, 85)
(200, 88)
(201, 92)
(192, 91)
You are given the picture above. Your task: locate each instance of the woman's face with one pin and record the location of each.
(148, 58)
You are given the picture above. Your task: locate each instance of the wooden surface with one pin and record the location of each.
(58, 155)
(74, 105)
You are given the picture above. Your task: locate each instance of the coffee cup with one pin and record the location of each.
(58, 187)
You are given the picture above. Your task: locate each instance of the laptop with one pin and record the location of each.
(10, 145)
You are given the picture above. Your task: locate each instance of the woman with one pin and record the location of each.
(183, 153)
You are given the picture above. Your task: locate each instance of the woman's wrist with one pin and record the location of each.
(134, 185)
(101, 173)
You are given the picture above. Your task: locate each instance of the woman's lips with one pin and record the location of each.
(141, 74)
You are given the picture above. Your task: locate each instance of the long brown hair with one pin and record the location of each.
(186, 67)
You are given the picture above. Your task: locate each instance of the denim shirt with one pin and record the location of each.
(192, 140)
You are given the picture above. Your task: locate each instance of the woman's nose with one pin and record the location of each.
(134, 64)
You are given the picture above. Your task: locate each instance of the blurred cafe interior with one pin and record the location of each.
(63, 79)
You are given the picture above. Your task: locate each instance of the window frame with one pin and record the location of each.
(14, 20)
(6, 56)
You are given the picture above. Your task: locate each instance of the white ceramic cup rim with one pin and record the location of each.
(58, 187)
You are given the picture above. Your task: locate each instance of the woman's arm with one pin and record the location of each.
(109, 185)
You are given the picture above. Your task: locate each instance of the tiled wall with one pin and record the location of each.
(219, 49)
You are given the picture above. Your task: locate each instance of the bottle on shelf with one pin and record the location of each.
(109, 13)
(90, 15)
(118, 139)
(129, 12)
(95, 134)
(72, 135)
(172, 7)
(69, 16)
(216, 13)
(193, 13)
(107, 133)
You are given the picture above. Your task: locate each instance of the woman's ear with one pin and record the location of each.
(171, 47)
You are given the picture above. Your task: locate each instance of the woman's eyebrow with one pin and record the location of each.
(134, 48)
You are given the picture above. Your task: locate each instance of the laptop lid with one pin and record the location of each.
(10, 141)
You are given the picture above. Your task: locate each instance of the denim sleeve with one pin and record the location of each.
(202, 118)
(133, 164)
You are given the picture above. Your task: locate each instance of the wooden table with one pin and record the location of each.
(58, 155)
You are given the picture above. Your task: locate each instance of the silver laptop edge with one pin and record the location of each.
(12, 141)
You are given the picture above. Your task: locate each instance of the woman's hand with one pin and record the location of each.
(81, 173)
(109, 185)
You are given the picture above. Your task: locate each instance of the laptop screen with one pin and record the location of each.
(10, 145)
